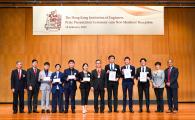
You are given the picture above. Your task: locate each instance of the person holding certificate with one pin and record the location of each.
(113, 75)
(171, 81)
(44, 78)
(33, 86)
(57, 89)
(18, 84)
(143, 75)
(158, 77)
(98, 86)
(128, 74)
(70, 85)
(84, 78)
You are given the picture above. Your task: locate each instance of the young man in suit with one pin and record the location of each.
(70, 85)
(113, 75)
(18, 84)
(57, 90)
(143, 75)
(45, 79)
(171, 81)
(33, 86)
(98, 86)
(128, 74)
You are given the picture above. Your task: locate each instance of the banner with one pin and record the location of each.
(98, 20)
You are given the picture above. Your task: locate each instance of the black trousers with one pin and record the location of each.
(127, 87)
(57, 99)
(84, 93)
(112, 89)
(33, 94)
(18, 94)
(172, 97)
(159, 98)
(97, 93)
(144, 88)
(69, 93)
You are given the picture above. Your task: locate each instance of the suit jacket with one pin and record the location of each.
(16, 83)
(80, 78)
(173, 77)
(32, 80)
(96, 82)
(45, 85)
(54, 85)
(148, 75)
(116, 68)
(132, 74)
(70, 83)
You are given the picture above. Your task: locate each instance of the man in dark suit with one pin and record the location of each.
(98, 86)
(18, 84)
(171, 81)
(70, 85)
(113, 75)
(33, 86)
(143, 75)
(128, 74)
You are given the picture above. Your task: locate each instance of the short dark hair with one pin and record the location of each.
(71, 61)
(143, 59)
(47, 63)
(98, 60)
(127, 58)
(157, 63)
(84, 64)
(57, 65)
(111, 56)
(34, 60)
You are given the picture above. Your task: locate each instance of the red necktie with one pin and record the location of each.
(169, 74)
(19, 74)
(35, 72)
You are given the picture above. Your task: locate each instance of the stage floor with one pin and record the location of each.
(186, 112)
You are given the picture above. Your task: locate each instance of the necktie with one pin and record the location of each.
(35, 71)
(169, 74)
(19, 74)
(142, 69)
(99, 73)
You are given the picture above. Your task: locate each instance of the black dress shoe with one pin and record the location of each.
(35, 111)
(53, 111)
(96, 112)
(73, 111)
(14, 112)
(66, 111)
(123, 111)
(131, 110)
(48, 111)
(42, 111)
(109, 111)
(116, 111)
(22, 112)
(101, 111)
(148, 111)
(29, 111)
(140, 111)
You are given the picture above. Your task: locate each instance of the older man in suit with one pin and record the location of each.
(171, 81)
(18, 84)
(45, 79)
(33, 86)
(98, 86)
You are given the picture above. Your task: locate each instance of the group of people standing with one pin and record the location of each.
(63, 86)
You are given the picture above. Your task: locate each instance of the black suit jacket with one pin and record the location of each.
(16, 83)
(80, 77)
(148, 75)
(117, 69)
(98, 82)
(132, 74)
(173, 77)
(32, 80)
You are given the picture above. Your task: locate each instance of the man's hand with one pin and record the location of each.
(30, 87)
(92, 89)
(168, 83)
(13, 90)
(108, 71)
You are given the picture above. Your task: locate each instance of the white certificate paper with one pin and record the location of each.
(143, 76)
(127, 73)
(56, 80)
(71, 77)
(112, 76)
(86, 79)
(46, 79)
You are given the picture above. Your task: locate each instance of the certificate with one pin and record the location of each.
(46, 79)
(127, 73)
(71, 77)
(112, 76)
(143, 76)
(86, 79)
(56, 80)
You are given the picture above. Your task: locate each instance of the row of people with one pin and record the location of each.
(98, 80)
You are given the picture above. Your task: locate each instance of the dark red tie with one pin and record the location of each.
(19, 74)
(169, 74)
(35, 71)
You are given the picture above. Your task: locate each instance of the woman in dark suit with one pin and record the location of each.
(84, 79)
